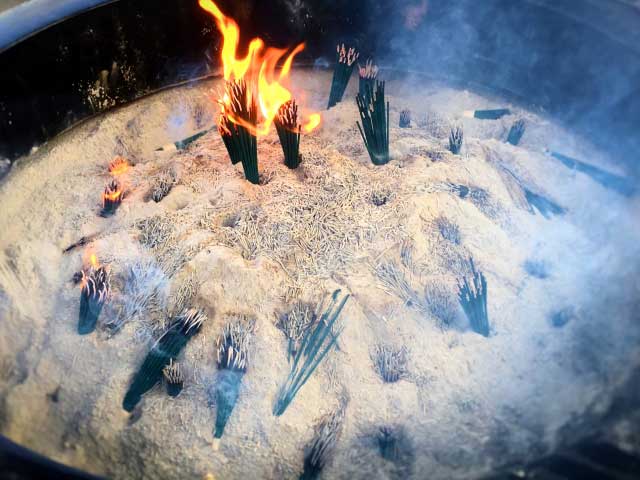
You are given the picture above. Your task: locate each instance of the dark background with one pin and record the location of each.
(578, 60)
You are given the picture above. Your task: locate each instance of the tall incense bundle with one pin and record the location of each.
(163, 353)
(96, 287)
(233, 351)
(345, 60)
(289, 133)
(237, 116)
(368, 76)
(374, 115)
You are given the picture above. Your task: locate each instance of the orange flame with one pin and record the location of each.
(118, 166)
(258, 69)
(112, 192)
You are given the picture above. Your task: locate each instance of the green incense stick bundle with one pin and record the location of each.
(289, 133)
(368, 75)
(374, 115)
(345, 60)
(473, 298)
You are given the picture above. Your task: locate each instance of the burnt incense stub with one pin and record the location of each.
(111, 198)
(405, 119)
(288, 129)
(94, 293)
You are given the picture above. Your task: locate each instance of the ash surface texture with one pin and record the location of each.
(466, 404)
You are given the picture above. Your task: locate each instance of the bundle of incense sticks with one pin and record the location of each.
(289, 133)
(96, 288)
(240, 141)
(345, 60)
(516, 132)
(368, 76)
(375, 124)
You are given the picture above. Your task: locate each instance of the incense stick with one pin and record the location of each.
(375, 124)
(368, 75)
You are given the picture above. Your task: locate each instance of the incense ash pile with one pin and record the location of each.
(449, 366)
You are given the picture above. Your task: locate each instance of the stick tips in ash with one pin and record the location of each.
(95, 291)
(111, 198)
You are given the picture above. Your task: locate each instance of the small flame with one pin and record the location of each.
(118, 166)
(93, 261)
(112, 193)
(258, 69)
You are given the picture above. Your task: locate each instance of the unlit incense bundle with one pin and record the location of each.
(516, 132)
(232, 352)
(111, 198)
(165, 350)
(289, 133)
(345, 60)
(405, 119)
(238, 116)
(456, 137)
(184, 143)
(368, 75)
(94, 293)
(494, 114)
(473, 298)
(374, 116)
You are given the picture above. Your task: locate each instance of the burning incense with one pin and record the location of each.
(233, 350)
(368, 76)
(405, 119)
(118, 166)
(487, 114)
(174, 377)
(96, 288)
(345, 60)
(516, 132)
(456, 137)
(375, 124)
(111, 198)
(289, 132)
(473, 299)
(166, 349)
(238, 114)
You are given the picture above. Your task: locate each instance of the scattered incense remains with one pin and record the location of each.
(394, 445)
(295, 324)
(516, 132)
(174, 378)
(316, 343)
(448, 230)
(390, 362)
(232, 348)
(118, 166)
(622, 185)
(545, 206)
(289, 133)
(240, 141)
(473, 299)
(368, 76)
(456, 137)
(165, 349)
(82, 242)
(374, 116)
(345, 60)
(321, 448)
(441, 304)
(96, 288)
(494, 114)
(405, 119)
(111, 198)
(162, 185)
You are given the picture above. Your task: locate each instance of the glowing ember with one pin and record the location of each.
(111, 198)
(258, 69)
(118, 166)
